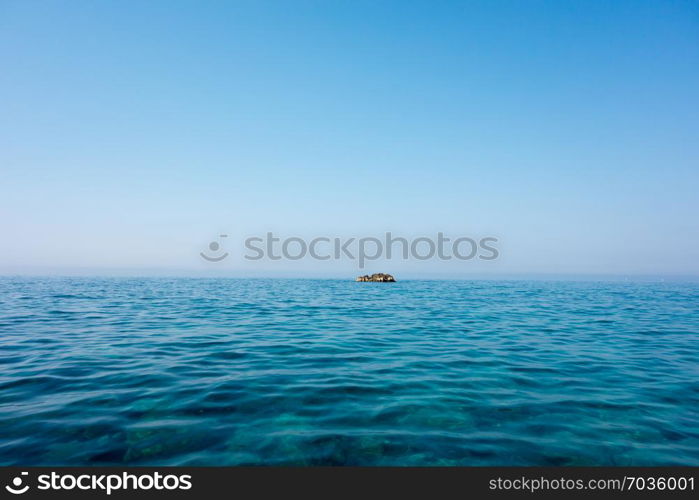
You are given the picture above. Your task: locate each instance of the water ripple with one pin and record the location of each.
(303, 372)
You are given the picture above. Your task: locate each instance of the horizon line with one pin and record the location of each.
(409, 276)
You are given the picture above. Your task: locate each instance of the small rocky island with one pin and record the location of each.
(381, 277)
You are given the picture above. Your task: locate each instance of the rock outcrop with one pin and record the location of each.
(380, 277)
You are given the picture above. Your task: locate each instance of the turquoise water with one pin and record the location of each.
(325, 372)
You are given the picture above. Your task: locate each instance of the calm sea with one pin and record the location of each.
(324, 372)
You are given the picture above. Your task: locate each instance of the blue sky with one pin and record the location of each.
(133, 133)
